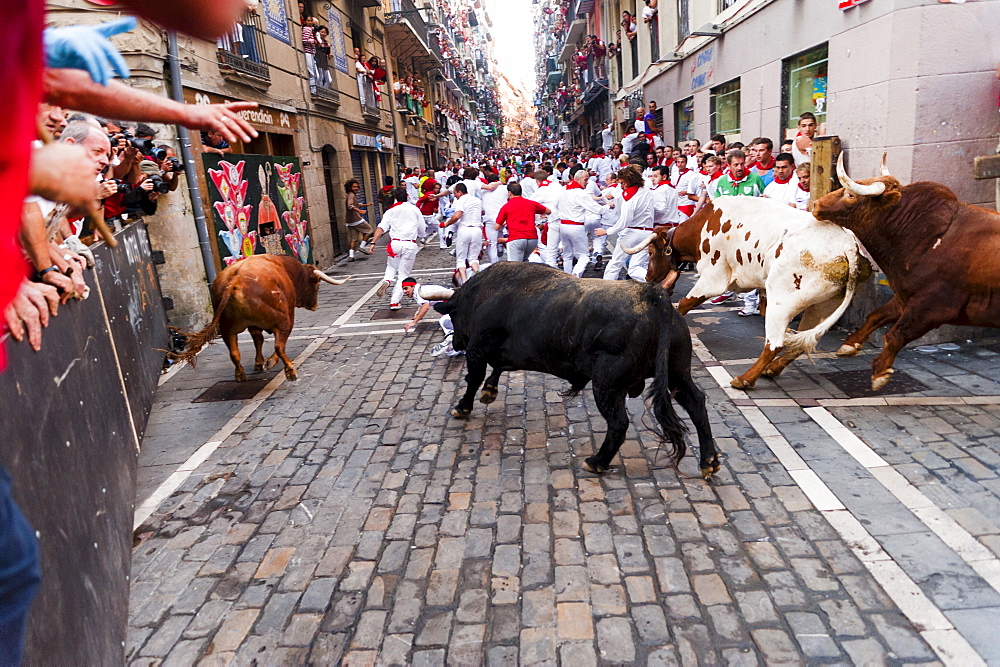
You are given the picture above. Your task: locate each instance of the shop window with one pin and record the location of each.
(804, 88)
(725, 103)
(684, 120)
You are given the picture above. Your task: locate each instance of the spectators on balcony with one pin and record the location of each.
(309, 24)
(323, 57)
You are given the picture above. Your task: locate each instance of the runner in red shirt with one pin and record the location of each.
(519, 215)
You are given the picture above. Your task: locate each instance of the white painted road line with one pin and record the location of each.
(949, 645)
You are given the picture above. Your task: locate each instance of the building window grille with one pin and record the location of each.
(242, 48)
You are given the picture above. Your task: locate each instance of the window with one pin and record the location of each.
(725, 4)
(654, 38)
(725, 102)
(683, 20)
(805, 87)
(684, 120)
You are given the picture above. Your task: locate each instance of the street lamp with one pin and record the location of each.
(670, 58)
(708, 30)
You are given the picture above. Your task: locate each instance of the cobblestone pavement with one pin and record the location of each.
(347, 518)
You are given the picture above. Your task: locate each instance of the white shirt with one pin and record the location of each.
(493, 201)
(441, 177)
(784, 192)
(576, 203)
(472, 185)
(605, 167)
(628, 142)
(412, 189)
(640, 211)
(549, 196)
(528, 187)
(402, 221)
(669, 200)
(801, 198)
(610, 213)
(606, 139)
(472, 211)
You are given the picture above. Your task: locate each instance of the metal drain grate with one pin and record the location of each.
(233, 391)
(401, 314)
(858, 384)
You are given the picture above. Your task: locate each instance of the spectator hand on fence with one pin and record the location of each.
(88, 48)
(29, 312)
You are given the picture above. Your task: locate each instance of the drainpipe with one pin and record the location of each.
(200, 223)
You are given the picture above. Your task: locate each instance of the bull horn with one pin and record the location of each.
(642, 246)
(861, 190)
(327, 279)
(432, 293)
(883, 168)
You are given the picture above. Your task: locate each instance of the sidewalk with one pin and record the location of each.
(346, 517)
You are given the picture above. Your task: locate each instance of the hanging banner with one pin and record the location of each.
(338, 48)
(276, 20)
(258, 206)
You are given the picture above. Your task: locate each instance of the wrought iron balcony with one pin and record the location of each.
(242, 49)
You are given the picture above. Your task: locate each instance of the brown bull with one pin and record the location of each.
(938, 254)
(259, 293)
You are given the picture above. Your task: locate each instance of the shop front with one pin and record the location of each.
(254, 196)
(371, 163)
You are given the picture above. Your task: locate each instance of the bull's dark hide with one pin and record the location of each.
(615, 334)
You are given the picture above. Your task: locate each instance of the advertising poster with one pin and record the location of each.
(258, 206)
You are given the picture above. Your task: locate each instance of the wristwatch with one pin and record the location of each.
(44, 271)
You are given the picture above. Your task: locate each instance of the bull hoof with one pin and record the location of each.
(882, 380)
(713, 466)
(848, 350)
(241, 375)
(488, 396)
(769, 373)
(592, 466)
(740, 383)
(290, 374)
(258, 368)
(269, 364)
(460, 413)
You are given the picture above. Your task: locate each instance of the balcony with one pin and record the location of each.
(241, 51)
(407, 28)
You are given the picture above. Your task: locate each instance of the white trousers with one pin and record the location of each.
(552, 240)
(399, 267)
(468, 244)
(637, 263)
(430, 223)
(574, 239)
(492, 234)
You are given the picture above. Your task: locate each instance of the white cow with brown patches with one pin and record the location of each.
(800, 264)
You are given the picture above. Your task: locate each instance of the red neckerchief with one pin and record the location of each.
(758, 165)
(780, 182)
(802, 188)
(714, 176)
(573, 185)
(667, 183)
(395, 205)
(745, 177)
(630, 192)
(543, 183)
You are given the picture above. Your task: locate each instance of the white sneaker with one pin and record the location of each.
(749, 311)
(394, 306)
(382, 288)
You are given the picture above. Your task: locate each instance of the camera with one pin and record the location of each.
(175, 165)
(159, 185)
(122, 186)
(144, 146)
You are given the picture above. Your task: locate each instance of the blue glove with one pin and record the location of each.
(87, 48)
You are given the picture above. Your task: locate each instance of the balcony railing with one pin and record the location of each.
(368, 97)
(242, 49)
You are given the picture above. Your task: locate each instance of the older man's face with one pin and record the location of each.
(98, 147)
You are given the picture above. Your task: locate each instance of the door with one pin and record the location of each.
(330, 178)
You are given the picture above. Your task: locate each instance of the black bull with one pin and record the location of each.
(518, 316)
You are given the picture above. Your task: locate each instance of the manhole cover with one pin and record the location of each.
(233, 391)
(858, 384)
(401, 314)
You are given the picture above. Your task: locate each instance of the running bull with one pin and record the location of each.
(938, 254)
(518, 316)
(801, 265)
(259, 293)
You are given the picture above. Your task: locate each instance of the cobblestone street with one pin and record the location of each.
(346, 517)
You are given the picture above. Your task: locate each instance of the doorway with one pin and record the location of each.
(329, 178)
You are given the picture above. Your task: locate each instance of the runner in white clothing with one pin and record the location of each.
(494, 196)
(401, 221)
(785, 185)
(638, 217)
(468, 242)
(577, 204)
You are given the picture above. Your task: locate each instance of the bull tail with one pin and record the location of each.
(805, 342)
(672, 430)
(199, 339)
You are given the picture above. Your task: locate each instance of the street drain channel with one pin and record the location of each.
(858, 384)
(234, 391)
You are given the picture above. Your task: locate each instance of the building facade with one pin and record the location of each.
(883, 75)
(392, 85)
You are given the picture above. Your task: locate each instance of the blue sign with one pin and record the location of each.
(702, 69)
(276, 20)
(337, 47)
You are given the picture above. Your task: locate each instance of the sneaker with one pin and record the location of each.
(722, 298)
(394, 306)
(599, 262)
(350, 259)
(749, 311)
(437, 349)
(382, 288)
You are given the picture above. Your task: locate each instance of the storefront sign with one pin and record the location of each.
(379, 142)
(702, 69)
(258, 205)
(276, 20)
(262, 118)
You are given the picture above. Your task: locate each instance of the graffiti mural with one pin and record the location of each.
(258, 206)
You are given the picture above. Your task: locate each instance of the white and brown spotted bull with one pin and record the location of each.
(800, 264)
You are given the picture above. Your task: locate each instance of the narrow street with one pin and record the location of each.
(347, 517)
